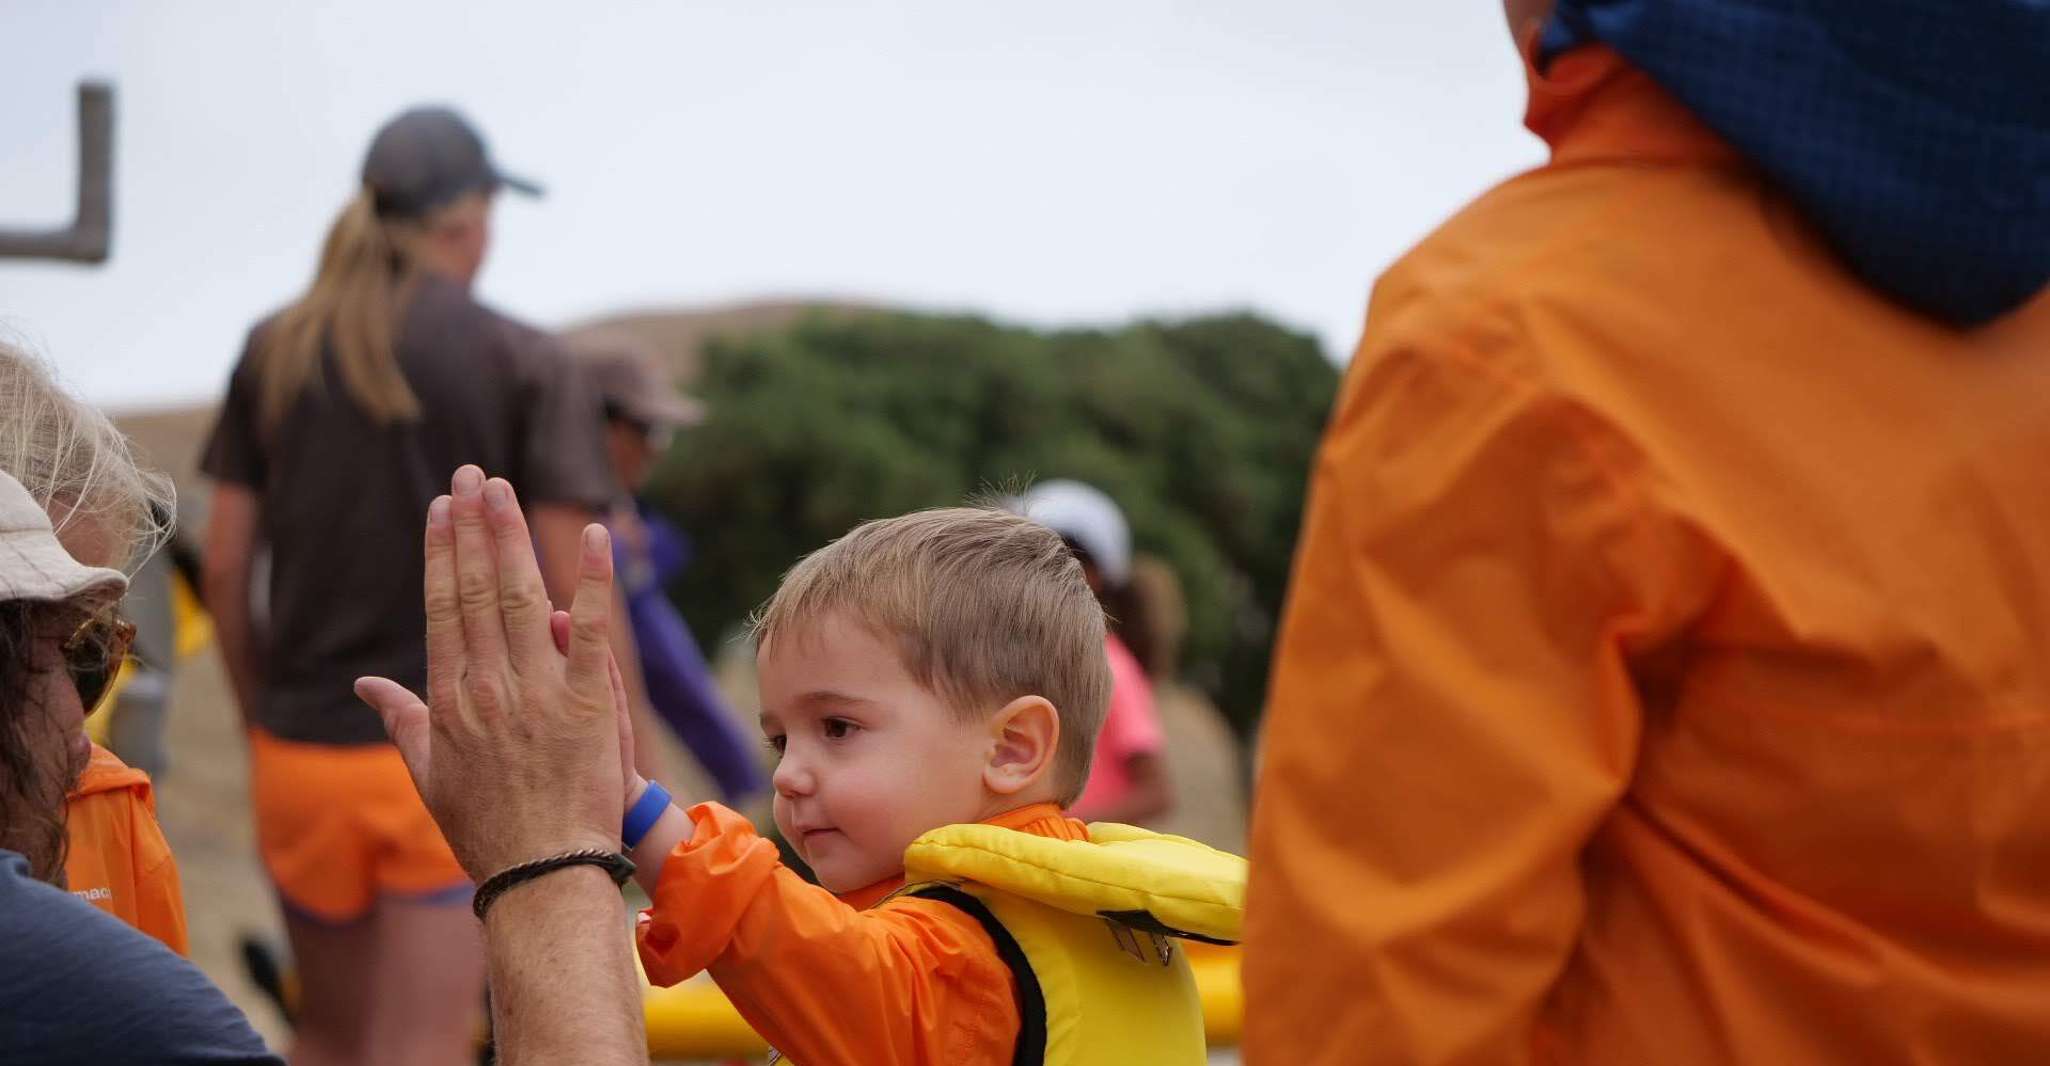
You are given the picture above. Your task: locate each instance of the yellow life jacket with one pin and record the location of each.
(1087, 928)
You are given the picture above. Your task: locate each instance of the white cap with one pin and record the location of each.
(1083, 514)
(34, 565)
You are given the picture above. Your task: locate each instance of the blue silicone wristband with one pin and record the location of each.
(645, 813)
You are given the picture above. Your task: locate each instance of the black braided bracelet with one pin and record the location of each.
(617, 865)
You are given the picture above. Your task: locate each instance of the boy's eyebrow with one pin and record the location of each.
(820, 698)
(830, 698)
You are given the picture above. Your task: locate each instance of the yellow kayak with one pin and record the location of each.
(694, 1020)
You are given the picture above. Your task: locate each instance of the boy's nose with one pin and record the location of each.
(792, 778)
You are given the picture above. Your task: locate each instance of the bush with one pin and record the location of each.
(1203, 431)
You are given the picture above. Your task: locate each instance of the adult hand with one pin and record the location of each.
(516, 749)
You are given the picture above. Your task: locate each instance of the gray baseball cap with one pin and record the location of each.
(426, 158)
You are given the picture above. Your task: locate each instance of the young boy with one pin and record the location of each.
(932, 686)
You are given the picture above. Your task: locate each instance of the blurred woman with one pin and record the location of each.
(76, 985)
(343, 418)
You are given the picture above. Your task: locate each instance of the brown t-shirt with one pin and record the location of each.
(344, 500)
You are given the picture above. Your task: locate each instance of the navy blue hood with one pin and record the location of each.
(1916, 135)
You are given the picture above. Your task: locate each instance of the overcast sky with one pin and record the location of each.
(1051, 162)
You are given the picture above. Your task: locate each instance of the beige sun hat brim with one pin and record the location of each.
(33, 563)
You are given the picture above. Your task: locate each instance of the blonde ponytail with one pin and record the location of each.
(352, 304)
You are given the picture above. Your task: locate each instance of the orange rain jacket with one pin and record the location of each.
(1666, 676)
(118, 860)
(909, 982)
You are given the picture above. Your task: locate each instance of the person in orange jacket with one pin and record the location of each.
(117, 858)
(939, 668)
(1666, 672)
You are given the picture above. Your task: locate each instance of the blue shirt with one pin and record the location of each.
(79, 987)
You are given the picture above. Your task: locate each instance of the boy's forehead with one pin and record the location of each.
(824, 634)
(833, 644)
(837, 658)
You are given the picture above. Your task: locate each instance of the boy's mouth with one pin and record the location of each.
(809, 837)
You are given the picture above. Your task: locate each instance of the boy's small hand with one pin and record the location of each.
(558, 628)
(669, 830)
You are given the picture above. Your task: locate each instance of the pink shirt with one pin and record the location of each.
(1131, 728)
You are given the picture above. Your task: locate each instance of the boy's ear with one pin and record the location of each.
(1024, 735)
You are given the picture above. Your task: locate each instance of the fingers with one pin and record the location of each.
(590, 639)
(476, 567)
(618, 686)
(558, 628)
(444, 608)
(405, 720)
(623, 711)
(522, 599)
(622, 714)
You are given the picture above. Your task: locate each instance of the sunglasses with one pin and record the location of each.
(93, 655)
(658, 437)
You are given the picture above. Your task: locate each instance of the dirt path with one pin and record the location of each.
(203, 803)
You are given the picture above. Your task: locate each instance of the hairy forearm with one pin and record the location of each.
(562, 977)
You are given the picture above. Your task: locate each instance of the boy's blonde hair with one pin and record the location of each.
(985, 606)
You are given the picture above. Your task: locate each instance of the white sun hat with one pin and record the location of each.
(1083, 514)
(34, 565)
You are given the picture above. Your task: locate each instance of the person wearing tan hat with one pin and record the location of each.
(77, 986)
(642, 411)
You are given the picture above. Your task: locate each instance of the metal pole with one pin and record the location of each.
(91, 231)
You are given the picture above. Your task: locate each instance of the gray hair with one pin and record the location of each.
(76, 464)
(80, 469)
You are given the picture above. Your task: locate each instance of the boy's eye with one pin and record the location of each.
(836, 728)
(775, 744)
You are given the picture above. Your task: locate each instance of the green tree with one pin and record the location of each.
(1202, 429)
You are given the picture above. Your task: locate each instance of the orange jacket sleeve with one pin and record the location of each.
(1452, 711)
(159, 900)
(909, 982)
